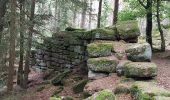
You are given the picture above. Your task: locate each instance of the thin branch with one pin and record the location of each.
(142, 3)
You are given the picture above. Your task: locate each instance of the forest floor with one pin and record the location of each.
(163, 62)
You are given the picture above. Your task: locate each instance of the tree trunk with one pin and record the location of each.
(74, 17)
(83, 15)
(12, 45)
(99, 14)
(29, 45)
(149, 22)
(159, 26)
(2, 13)
(56, 26)
(115, 12)
(90, 14)
(22, 31)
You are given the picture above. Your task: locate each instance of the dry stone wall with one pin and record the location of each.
(69, 48)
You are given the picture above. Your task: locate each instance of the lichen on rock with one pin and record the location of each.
(140, 70)
(102, 64)
(100, 49)
(139, 52)
(102, 95)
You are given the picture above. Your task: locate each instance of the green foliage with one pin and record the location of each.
(127, 15)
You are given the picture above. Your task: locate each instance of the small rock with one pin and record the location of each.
(95, 75)
(80, 86)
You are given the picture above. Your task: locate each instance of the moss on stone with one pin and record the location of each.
(128, 29)
(102, 64)
(140, 69)
(103, 34)
(55, 98)
(80, 86)
(103, 95)
(147, 90)
(58, 80)
(100, 49)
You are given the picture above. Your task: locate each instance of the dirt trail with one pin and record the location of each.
(163, 62)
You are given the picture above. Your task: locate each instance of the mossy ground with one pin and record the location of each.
(147, 90)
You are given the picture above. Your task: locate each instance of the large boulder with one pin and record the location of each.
(102, 64)
(128, 30)
(120, 67)
(102, 95)
(100, 49)
(104, 33)
(140, 70)
(148, 91)
(139, 52)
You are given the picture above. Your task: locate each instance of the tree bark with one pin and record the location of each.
(90, 14)
(83, 15)
(148, 8)
(99, 14)
(22, 31)
(159, 26)
(74, 17)
(115, 12)
(56, 24)
(12, 45)
(29, 45)
(149, 22)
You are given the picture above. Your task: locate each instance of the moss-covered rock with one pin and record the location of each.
(104, 34)
(147, 91)
(80, 86)
(55, 98)
(102, 95)
(102, 64)
(122, 88)
(128, 30)
(100, 49)
(140, 70)
(74, 29)
(120, 67)
(58, 80)
(139, 52)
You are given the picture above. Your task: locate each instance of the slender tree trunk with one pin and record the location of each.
(12, 45)
(29, 45)
(22, 31)
(2, 13)
(90, 14)
(149, 22)
(56, 16)
(115, 12)
(159, 26)
(99, 14)
(74, 17)
(83, 15)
